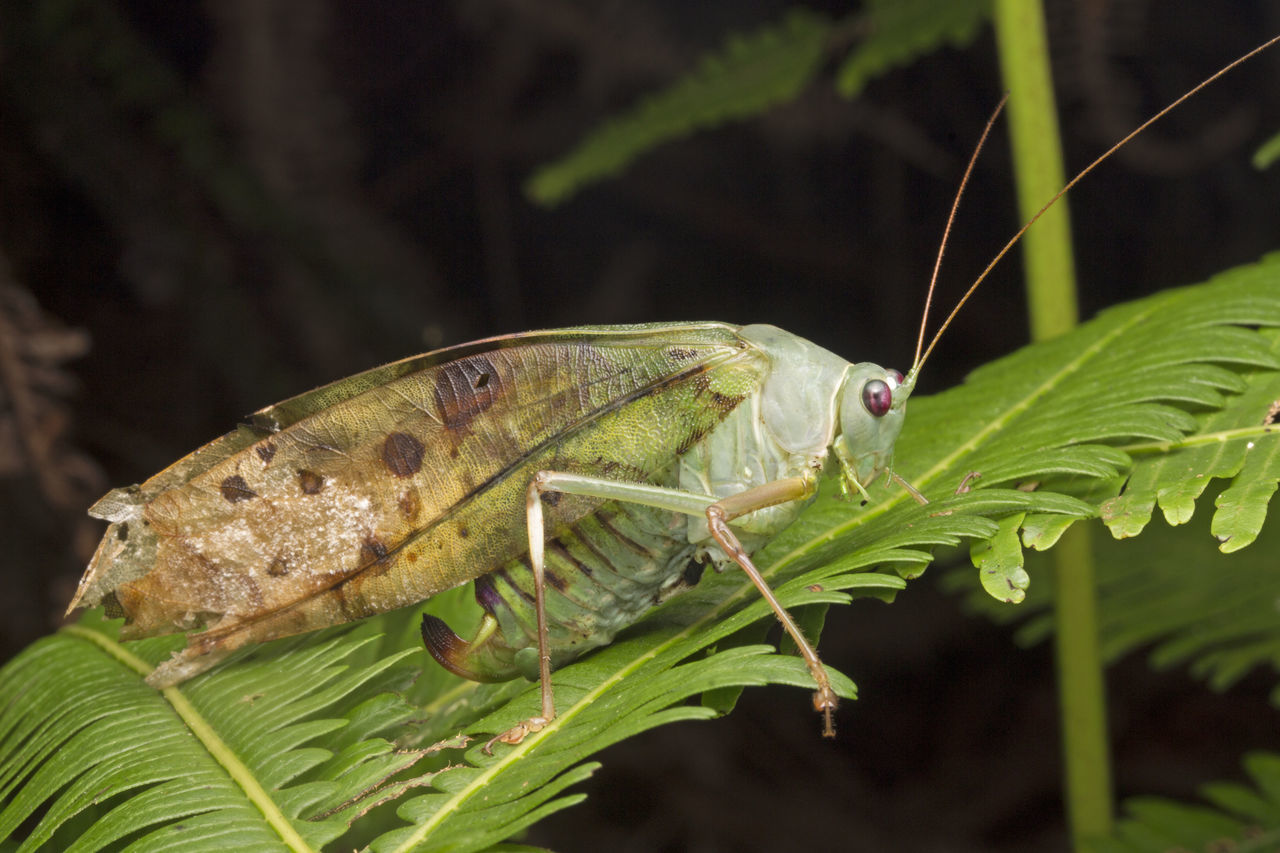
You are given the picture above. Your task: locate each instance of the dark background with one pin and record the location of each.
(218, 205)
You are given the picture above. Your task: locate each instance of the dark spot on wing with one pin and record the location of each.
(266, 452)
(279, 567)
(552, 498)
(310, 481)
(463, 531)
(122, 532)
(112, 605)
(614, 469)
(693, 572)
(723, 404)
(402, 454)
(464, 389)
(235, 489)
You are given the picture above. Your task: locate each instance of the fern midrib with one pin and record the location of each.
(218, 749)
(1201, 439)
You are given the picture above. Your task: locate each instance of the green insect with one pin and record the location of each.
(628, 451)
(577, 477)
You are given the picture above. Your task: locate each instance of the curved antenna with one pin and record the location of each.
(1087, 169)
(946, 232)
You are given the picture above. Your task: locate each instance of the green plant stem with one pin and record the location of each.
(1037, 156)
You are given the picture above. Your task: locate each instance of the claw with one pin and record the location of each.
(517, 733)
(825, 702)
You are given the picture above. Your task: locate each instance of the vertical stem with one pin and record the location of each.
(1037, 164)
(1037, 155)
(1082, 694)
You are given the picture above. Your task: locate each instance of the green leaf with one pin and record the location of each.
(999, 562)
(1175, 591)
(1244, 819)
(232, 756)
(1236, 442)
(1267, 153)
(750, 74)
(902, 31)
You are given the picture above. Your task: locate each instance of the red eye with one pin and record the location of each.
(877, 398)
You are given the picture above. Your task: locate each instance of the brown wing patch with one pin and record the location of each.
(464, 389)
(235, 489)
(266, 452)
(402, 454)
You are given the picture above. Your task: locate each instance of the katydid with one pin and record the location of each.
(577, 477)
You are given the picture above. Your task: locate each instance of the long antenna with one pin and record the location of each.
(1087, 169)
(946, 232)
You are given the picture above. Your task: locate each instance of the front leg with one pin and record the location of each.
(719, 514)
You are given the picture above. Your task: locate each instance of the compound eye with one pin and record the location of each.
(877, 398)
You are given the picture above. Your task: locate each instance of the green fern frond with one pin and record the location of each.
(754, 72)
(89, 753)
(1175, 590)
(902, 31)
(750, 74)
(1120, 377)
(1267, 153)
(1242, 819)
(1234, 443)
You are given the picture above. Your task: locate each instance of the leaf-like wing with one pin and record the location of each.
(390, 494)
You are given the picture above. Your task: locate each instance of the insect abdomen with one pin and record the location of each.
(603, 573)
